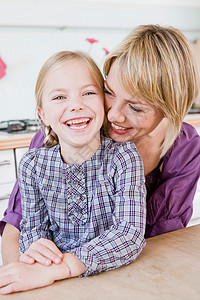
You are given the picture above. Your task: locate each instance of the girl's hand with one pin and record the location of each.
(42, 251)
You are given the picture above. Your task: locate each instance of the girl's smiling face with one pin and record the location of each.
(130, 118)
(73, 105)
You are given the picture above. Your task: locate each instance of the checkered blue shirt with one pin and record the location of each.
(95, 210)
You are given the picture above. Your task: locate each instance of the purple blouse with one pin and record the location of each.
(170, 193)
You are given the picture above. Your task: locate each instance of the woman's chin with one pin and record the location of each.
(118, 138)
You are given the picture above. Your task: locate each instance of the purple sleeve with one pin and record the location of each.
(170, 206)
(13, 214)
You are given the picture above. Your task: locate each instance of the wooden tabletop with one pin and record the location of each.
(168, 268)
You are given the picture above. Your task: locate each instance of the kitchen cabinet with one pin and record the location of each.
(12, 147)
(7, 177)
(195, 219)
(9, 161)
(18, 154)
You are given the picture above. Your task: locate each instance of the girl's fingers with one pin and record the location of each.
(26, 259)
(49, 244)
(47, 249)
(41, 256)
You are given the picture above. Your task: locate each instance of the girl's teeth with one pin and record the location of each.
(78, 127)
(77, 121)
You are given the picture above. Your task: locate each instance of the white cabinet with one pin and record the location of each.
(7, 177)
(18, 155)
(9, 161)
(195, 219)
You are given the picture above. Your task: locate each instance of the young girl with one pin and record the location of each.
(84, 192)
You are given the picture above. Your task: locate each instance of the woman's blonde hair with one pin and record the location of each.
(156, 64)
(53, 63)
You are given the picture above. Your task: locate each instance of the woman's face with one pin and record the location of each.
(130, 118)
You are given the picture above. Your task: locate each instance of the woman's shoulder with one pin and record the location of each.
(38, 139)
(184, 151)
(188, 138)
(189, 132)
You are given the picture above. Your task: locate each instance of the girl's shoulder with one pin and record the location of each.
(110, 146)
(35, 155)
(124, 153)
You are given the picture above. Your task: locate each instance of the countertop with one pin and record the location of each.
(16, 140)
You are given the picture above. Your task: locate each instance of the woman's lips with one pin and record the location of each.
(78, 124)
(119, 129)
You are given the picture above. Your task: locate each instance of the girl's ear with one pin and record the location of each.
(42, 116)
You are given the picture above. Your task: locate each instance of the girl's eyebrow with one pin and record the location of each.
(57, 90)
(64, 90)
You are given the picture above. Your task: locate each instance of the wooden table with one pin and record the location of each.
(168, 268)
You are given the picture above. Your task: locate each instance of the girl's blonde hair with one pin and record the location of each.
(53, 63)
(156, 64)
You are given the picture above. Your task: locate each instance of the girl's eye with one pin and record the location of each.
(137, 110)
(58, 98)
(89, 93)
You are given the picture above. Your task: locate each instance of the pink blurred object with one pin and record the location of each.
(92, 41)
(106, 51)
(2, 68)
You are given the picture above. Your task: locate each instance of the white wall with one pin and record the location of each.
(32, 30)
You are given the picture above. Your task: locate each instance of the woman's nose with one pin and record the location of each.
(115, 113)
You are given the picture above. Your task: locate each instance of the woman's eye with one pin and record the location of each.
(135, 109)
(107, 92)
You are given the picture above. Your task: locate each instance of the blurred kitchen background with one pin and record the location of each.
(32, 30)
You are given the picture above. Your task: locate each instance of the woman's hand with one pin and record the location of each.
(42, 251)
(18, 276)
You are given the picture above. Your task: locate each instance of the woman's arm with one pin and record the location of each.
(22, 277)
(10, 244)
(9, 225)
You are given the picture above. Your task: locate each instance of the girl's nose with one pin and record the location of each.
(76, 105)
(115, 113)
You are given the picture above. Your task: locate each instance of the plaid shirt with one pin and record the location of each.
(95, 210)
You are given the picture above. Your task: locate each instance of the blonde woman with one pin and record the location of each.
(151, 82)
